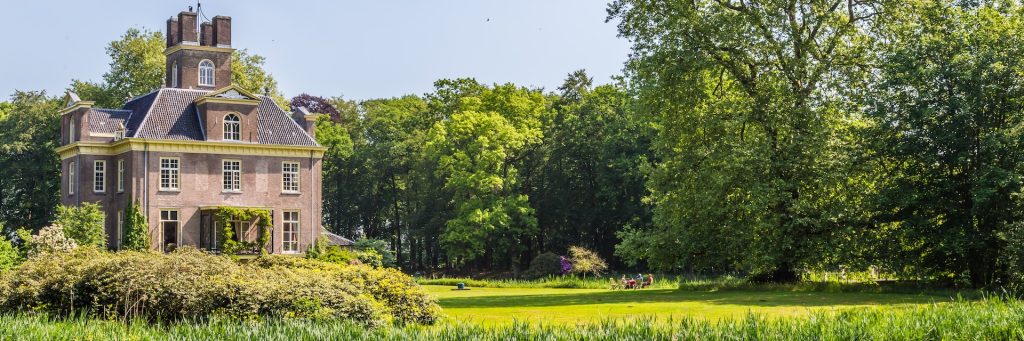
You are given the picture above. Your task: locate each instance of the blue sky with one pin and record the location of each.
(359, 49)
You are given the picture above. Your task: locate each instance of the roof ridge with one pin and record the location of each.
(148, 111)
(140, 96)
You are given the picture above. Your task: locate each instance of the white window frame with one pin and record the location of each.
(290, 178)
(173, 174)
(118, 135)
(232, 128)
(72, 181)
(231, 179)
(177, 232)
(120, 176)
(99, 177)
(209, 70)
(71, 130)
(174, 75)
(290, 231)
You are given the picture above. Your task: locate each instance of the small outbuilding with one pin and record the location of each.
(336, 240)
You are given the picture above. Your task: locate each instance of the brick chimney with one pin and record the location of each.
(221, 31)
(306, 120)
(172, 32)
(187, 28)
(206, 34)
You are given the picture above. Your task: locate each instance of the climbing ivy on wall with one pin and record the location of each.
(228, 245)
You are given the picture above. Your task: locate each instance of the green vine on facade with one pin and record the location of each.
(226, 215)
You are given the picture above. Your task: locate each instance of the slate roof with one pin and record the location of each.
(107, 120)
(170, 114)
(333, 239)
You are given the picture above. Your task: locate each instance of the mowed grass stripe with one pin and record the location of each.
(504, 305)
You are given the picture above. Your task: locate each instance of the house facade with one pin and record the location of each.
(193, 146)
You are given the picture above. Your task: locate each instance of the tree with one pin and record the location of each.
(316, 104)
(30, 185)
(477, 149)
(136, 230)
(585, 261)
(748, 98)
(9, 256)
(247, 72)
(83, 224)
(947, 111)
(378, 247)
(587, 178)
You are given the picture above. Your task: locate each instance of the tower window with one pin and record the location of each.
(174, 75)
(232, 128)
(206, 73)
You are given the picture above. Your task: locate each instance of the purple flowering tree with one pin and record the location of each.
(566, 265)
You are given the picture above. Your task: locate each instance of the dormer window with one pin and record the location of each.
(232, 128)
(206, 73)
(174, 75)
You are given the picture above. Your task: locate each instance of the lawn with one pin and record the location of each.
(503, 305)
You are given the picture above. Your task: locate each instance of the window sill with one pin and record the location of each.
(231, 192)
(171, 190)
(290, 192)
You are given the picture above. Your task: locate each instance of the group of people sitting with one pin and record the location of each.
(636, 282)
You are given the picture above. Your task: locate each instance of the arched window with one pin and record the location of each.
(206, 73)
(232, 127)
(174, 75)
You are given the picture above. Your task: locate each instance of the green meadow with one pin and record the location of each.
(491, 306)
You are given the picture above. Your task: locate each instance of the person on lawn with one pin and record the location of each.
(649, 281)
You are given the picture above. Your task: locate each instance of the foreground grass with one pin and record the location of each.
(490, 306)
(974, 320)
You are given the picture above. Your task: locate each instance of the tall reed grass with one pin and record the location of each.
(987, 319)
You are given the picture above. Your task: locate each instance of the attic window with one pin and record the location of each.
(232, 127)
(206, 73)
(119, 134)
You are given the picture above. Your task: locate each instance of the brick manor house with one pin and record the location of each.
(198, 144)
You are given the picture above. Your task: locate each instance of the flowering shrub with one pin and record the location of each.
(50, 239)
(566, 264)
(192, 284)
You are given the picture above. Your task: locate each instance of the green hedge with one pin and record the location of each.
(191, 284)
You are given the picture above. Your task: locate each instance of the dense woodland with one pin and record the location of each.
(764, 138)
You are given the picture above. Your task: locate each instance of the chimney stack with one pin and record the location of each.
(306, 120)
(221, 31)
(172, 32)
(206, 34)
(187, 28)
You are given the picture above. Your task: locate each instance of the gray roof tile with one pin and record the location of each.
(170, 114)
(276, 127)
(106, 120)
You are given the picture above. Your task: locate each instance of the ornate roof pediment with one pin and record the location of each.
(230, 94)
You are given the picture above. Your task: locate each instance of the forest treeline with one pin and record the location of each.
(765, 138)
